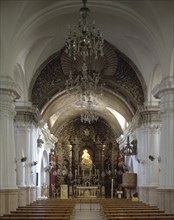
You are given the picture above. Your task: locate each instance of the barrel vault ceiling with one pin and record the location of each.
(123, 89)
(132, 33)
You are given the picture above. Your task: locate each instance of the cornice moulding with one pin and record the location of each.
(30, 111)
(8, 85)
(166, 86)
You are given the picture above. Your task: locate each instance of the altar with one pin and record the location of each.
(87, 191)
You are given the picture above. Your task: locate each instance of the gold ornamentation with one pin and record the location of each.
(86, 158)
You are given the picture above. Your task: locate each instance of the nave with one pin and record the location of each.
(81, 124)
(88, 209)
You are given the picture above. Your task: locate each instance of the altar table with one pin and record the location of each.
(86, 191)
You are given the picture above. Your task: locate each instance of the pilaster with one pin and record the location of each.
(148, 154)
(165, 92)
(8, 189)
(26, 147)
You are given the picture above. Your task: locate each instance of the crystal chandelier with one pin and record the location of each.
(85, 39)
(89, 115)
(85, 85)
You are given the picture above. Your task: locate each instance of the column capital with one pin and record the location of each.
(27, 114)
(165, 92)
(9, 92)
(165, 87)
(8, 86)
(150, 114)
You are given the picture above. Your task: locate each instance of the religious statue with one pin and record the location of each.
(86, 132)
(86, 158)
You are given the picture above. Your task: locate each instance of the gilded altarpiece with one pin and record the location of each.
(87, 157)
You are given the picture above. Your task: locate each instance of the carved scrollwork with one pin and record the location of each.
(50, 78)
(127, 79)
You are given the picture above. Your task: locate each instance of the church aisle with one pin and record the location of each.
(87, 211)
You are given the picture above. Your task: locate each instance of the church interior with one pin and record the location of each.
(86, 101)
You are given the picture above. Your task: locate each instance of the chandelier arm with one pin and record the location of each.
(85, 40)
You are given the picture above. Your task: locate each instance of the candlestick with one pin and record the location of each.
(112, 184)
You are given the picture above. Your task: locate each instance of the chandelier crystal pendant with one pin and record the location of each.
(85, 39)
(89, 116)
(84, 85)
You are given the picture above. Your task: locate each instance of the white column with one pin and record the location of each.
(26, 146)
(22, 145)
(8, 189)
(142, 156)
(20, 152)
(34, 155)
(154, 151)
(148, 145)
(8, 154)
(165, 92)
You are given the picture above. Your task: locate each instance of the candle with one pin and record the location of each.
(112, 183)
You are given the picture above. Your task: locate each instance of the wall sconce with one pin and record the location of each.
(152, 158)
(34, 163)
(23, 159)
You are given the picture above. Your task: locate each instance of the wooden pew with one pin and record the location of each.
(60, 210)
(128, 210)
(142, 218)
(41, 211)
(33, 217)
(40, 215)
(137, 214)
